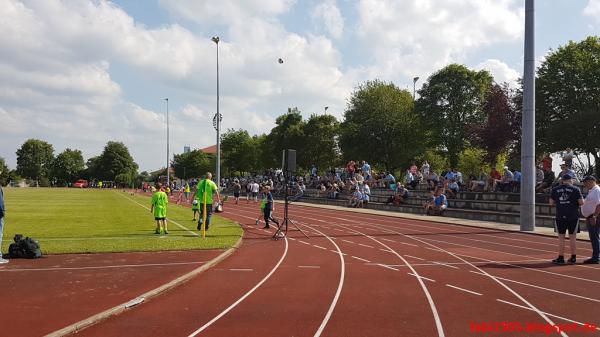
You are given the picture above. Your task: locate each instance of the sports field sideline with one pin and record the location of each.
(91, 221)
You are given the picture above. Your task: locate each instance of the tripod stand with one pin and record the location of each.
(283, 225)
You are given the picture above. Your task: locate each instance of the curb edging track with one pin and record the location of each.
(85, 323)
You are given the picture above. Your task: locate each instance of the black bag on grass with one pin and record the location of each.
(24, 248)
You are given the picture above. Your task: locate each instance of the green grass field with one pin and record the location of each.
(92, 221)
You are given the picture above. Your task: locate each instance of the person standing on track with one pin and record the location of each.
(567, 199)
(2, 213)
(268, 206)
(255, 189)
(159, 208)
(591, 211)
(236, 191)
(208, 186)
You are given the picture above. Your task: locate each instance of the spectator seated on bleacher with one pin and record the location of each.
(333, 192)
(356, 199)
(411, 180)
(505, 184)
(493, 179)
(546, 184)
(390, 179)
(478, 183)
(516, 185)
(366, 193)
(432, 180)
(400, 195)
(438, 203)
(452, 189)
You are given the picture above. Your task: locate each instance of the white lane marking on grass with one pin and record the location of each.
(360, 258)
(241, 269)
(542, 288)
(465, 290)
(319, 247)
(106, 267)
(546, 313)
(414, 257)
(173, 221)
(228, 309)
(360, 244)
(445, 264)
(421, 277)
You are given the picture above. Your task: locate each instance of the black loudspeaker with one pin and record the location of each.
(289, 161)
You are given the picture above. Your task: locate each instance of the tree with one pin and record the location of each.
(34, 159)
(381, 126)
(4, 172)
(67, 166)
(568, 99)
(238, 151)
(114, 160)
(320, 145)
(287, 134)
(195, 163)
(501, 125)
(450, 102)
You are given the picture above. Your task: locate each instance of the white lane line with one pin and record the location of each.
(292, 239)
(309, 267)
(414, 257)
(388, 240)
(546, 313)
(304, 242)
(434, 249)
(409, 244)
(385, 250)
(338, 292)
(360, 244)
(421, 277)
(169, 220)
(224, 312)
(386, 266)
(319, 247)
(445, 265)
(240, 269)
(360, 258)
(543, 288)
(465, 290)
(105, 267)
(348, 241)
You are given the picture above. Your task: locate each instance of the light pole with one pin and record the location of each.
(217, 118)
(326, 109)
(527, 214)
(415, 79)
(168, 161)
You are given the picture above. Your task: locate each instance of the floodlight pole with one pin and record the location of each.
(415, 79)
(168, 161)
(528, 123)
(216, 40)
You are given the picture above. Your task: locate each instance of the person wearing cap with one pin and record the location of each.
(591, 211)
(567, 199)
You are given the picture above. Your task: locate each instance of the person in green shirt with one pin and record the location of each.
(187, 192)
(208, 186)
(159, 208)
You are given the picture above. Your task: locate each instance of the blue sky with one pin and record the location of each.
(79, 73)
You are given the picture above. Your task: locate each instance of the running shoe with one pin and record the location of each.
(257, 221)
(591, 261)
(3, 261)
(157, 232)
(572, 260)
(559, 260)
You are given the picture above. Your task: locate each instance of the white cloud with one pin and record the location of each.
(593, 9)
(330, 15)
(193, 112)
(501, 71)
(407, 38)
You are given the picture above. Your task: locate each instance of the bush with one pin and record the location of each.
(470, 162)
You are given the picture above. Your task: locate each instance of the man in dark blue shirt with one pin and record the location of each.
(567, 199)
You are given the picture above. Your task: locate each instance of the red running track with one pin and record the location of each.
(368, 275)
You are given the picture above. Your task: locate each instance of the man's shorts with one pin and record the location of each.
(254, 194)
(562, 225)
(159, 218)
(236, 194)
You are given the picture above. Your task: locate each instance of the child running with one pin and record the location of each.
(159, 208)
(195, 208)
